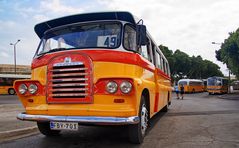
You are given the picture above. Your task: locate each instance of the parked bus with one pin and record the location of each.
(95, 68)
(191, 85)
(204, 85)
(6, 82)
(217, 85)
(235, 85)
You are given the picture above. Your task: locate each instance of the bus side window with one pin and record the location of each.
(168, 68)
(158, 57)
(153, 49)
(164, 65)
(146, 52)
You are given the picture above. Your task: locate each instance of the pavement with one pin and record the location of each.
(11, 128)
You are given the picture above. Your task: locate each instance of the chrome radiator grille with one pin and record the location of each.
(68, 81)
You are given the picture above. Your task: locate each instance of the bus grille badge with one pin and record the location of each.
(67, 60)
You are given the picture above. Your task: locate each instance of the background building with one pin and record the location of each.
(20, 69)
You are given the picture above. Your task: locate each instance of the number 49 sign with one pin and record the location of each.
(107, 41)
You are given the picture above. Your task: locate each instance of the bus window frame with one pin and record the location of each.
(123, 36)
(78, 48)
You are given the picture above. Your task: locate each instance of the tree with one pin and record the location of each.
(229, 52)
(184, 66)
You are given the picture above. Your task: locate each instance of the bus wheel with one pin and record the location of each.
(44, 128)
(137, 131)
(193, 91)
(11, 91)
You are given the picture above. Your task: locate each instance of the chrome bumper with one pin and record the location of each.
(81, 119)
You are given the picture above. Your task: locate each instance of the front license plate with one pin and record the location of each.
(64, 126)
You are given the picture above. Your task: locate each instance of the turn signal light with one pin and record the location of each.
(118, 100)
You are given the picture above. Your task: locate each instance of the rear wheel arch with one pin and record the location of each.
(146, 95)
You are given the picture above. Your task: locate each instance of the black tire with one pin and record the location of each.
(137, 131)
(11, 91)
(193, 91)
(44, 128)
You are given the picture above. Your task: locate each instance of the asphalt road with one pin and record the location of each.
(197, 121)
(9, 99)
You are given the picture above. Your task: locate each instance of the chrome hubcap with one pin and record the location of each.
(144, 119)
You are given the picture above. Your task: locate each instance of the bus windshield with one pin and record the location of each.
(214, 82)
(88, 35)
(182, 83)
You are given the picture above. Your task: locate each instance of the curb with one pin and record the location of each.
(19, 133)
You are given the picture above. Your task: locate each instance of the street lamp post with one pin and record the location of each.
(15, 60)
(227, 65)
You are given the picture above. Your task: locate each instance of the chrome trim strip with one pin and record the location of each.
(69, 79)
(68, 69)
(68, 89)
(81, 119)
(68, 95)
(69, 84)
(70, 74)
(67, 64)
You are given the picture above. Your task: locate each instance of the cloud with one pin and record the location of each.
(7, 24)
(4, 54)
(190, 25)
(40, 18)
(56, 6)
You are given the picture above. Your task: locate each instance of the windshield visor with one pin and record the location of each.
(91, 35)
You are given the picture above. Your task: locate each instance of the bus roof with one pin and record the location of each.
(216, 77)
(190, 80)
(41, 28)
(15, 76)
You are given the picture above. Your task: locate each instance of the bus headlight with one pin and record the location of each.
(111, 87)
(32, 88)
(22, 89)
(125, 87)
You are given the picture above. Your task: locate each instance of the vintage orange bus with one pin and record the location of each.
(217, 85)
(95, 68)
(6, 82)
(191, 85)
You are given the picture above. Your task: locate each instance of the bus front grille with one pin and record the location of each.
(69, 81)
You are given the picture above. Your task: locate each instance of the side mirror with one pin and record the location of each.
(141, 35)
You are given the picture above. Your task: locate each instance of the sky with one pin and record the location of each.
(188, 25)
